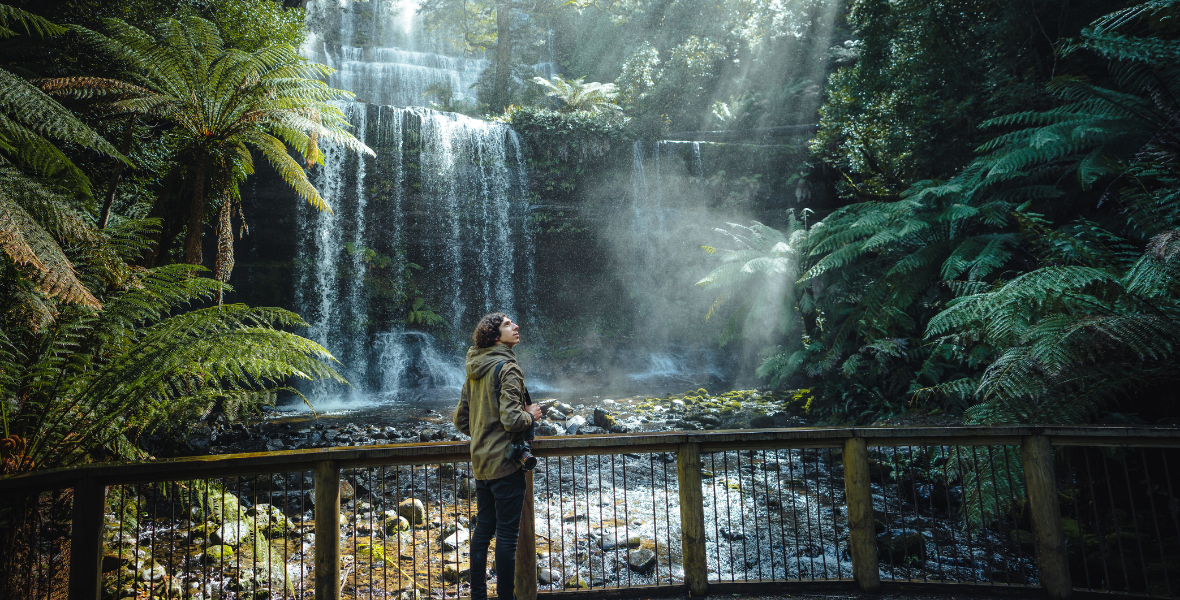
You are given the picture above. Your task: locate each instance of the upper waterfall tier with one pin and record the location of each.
(398, 77)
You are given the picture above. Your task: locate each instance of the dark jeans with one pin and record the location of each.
(499, 502)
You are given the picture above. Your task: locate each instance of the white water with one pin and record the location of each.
(466, 228)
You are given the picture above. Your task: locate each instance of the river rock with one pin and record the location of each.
(231, 534)
(615, 538)
(447, 470)
(555, 414)
(573, 424)
(547, 576)
(761, 422)
(215, 555)
(413, 510)
(641, 560)
(898, 544)
(347, 492)
(603, 419)
(427, 435)
(271, 520)
(456, 572)
(732, 535)
(709, 420)
(577, 582)
(453, 541)
(548, 428)
(152, 571)
(591, 430)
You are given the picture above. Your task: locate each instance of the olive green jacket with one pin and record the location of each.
(491, 428)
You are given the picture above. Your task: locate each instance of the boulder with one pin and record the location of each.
(547, 576)
(761, 422)
(612, 539)
(603, 419)
(899, 544)
(216, 555)
(782, 419)
(548, 428)
(641, 560)
(454, 540)
(231, 534)
(413, 510)
(591, 430)
(709, 420)
(347, 492)
(151, 571)
(555, 414)
(456, 572)
(577, 582)
(573, 424)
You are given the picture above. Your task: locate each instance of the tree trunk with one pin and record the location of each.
(105, 215)
(500, 97)
(196, 215)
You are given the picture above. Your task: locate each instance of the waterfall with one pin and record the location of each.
(440, 214)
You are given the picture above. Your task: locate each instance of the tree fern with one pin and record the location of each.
(97, 380)
(222, 103)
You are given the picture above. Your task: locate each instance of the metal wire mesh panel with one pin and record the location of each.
(952, 513)
(775, 514)
(233, 537)
(407, 531)
(35, 531)
(1121, 518)
(608, 521)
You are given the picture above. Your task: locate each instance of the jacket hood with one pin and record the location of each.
(482, 361)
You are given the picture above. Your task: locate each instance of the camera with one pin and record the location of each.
(522, 451)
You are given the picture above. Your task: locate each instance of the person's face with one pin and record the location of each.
(509, 333)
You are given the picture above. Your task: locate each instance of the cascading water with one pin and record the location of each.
(435, 224)
(439, 214)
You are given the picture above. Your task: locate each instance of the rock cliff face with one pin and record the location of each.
(596, 252)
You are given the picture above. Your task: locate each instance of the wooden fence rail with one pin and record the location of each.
(1036, 456)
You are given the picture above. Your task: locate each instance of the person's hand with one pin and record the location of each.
(534, 410)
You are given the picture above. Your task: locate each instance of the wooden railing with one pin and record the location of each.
(1036, 457)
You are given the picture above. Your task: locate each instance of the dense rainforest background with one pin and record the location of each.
(966, 206)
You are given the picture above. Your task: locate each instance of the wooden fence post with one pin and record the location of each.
(327, 530)
(862, 538)
(86, 540)
(692, 519)
(1036, 454)
(526, 546)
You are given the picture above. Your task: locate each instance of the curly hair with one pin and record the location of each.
(487, 333)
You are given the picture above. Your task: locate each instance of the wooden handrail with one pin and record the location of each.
(710, 441)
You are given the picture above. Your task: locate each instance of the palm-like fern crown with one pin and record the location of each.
(225, 101)
(577, 95)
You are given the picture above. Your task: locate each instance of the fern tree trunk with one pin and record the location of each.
(196, 213)
(117, 174)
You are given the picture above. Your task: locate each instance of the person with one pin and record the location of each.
(494, 423)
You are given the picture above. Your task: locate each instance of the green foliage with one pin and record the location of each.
(987, 289)
(924, 75)
(575, 95)
(251, 25)
(97, 380)
(33, 126)
(223, 104)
